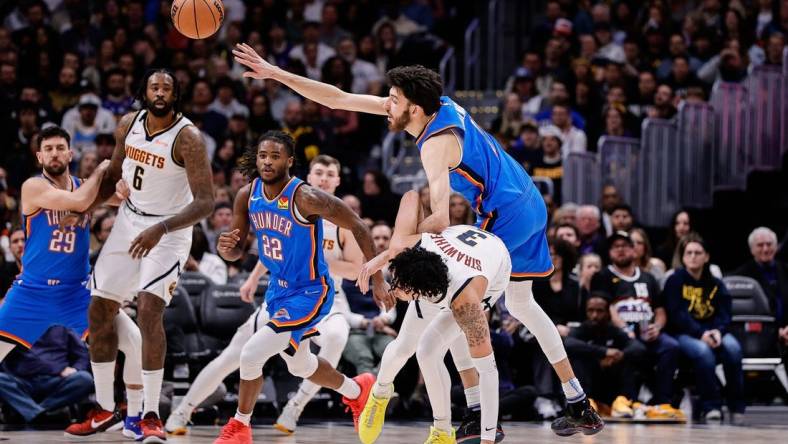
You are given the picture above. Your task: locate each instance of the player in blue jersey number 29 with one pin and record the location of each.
(457, 154)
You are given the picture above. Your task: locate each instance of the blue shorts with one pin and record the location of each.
(298, 310)
(523, 229)
(29, 309)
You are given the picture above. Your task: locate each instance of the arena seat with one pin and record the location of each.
(195, 284)
(180, 319)
(223, 311)
(754, 326)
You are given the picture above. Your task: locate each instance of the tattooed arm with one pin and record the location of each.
(312, 203)
(468, 313)
(189, 150)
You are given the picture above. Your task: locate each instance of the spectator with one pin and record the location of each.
(525, 148)
(212, 122)
(568, 233)
(85, 121)
(592, 240)
(10, 269)
(647, 88)
(330, 31)
(771, 274)
(102, 226)
(774, 49)
(637, 307)
(506, 126)
(677, 46)
(117, 99)
(460, 212)
(610, 200)
(307, 143)
(681, 77)
(105, 146)
(588, 265)
(550, 163)
(680, 226)
(377, 200)
(605, 358)
(220, 221)
(643, 253)
(574, 138)
(353, 202)
(367, 78)
(225, 103)
(87, 164)
(52, 374)
(201, 259)
(260, 118)
(699, 312)
(621, 218)
(66, 94)
(615, 121)
(311, 34)
(664, 103)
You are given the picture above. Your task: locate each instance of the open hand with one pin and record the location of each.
(145, 241)
(248, 288)
(370, 268)
(381, 295)
(259, 68)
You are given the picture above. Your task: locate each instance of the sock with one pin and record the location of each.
(473, 399)
(151, 383)
(573, 391)
(442, 424)
(104, 380)
(349, 389)
(134, 398)
(244, 418)
(382, 390)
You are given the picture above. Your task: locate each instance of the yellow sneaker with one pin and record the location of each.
(665, 411)
(622, 408)
(438, 436)
(370, 423)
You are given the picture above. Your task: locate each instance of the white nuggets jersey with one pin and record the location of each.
(158, 184)
(332, 250)
(469, 252)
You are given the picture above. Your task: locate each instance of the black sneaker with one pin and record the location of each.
(470, 431)
(579, 417)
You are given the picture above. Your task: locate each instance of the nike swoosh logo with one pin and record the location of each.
(95, 425)
(135, 132)
(488, 429)
(256, 198)
(312, 292)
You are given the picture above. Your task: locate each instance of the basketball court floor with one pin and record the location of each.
(771, 432)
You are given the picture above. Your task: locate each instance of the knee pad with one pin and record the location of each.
(251, 363)
(302, 366)
(130, 344)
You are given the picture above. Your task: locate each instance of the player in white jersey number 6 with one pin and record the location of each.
(456, 276)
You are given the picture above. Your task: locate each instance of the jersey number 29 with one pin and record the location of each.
(62, 242)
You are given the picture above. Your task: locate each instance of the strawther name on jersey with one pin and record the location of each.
(455, 254)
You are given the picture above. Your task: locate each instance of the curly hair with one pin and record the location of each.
(421, 273)
(420, 85)
(247, 163)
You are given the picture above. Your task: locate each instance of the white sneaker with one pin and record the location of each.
(176, 423)
(288, 419)
(713, 415)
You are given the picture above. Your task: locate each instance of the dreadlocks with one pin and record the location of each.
(421, 273)
(247, 163)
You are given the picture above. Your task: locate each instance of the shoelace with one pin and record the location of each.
(229, 430)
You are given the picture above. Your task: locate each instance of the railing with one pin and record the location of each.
(697, 131)
(731, 115)
(582, 181)
(494, 44)
(448, 70)
(472, 58)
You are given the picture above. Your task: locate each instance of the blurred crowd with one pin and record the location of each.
(631, 311)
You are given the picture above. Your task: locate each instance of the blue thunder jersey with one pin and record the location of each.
(289, 246)
(501, 193)
(52, 256)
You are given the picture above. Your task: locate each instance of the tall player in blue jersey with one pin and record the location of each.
(457, 154)
(285, 215)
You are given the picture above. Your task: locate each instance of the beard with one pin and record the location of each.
(278, 178)
(399, 123)
(55, 170)
(624, 262)
(160, 112)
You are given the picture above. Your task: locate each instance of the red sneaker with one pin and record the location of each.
(152, 429)
(235, 432)
(356, 406)
(98, 420)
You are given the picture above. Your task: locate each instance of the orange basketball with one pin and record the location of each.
(197, 19)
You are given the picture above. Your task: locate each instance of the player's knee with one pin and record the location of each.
(101, 312)
(251, 363)
(303, 367)
(426, 353)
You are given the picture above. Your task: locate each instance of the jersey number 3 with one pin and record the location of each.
(62, 242)
(272, 248)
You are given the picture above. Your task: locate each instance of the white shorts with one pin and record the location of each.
(118, 277)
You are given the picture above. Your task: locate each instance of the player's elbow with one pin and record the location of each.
(205, 206)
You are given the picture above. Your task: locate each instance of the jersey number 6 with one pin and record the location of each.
(137, 181)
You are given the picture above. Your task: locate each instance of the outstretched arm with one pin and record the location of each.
(436, 159)
(38, 193)
(322, 93)
(313, 202)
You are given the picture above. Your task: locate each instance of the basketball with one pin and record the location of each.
(197, 19)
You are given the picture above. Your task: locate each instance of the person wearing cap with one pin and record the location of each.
(637, 308)
(526, 147)
(85, 121)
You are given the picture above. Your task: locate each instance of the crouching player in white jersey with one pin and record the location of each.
(453, 278)
(344, 259)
